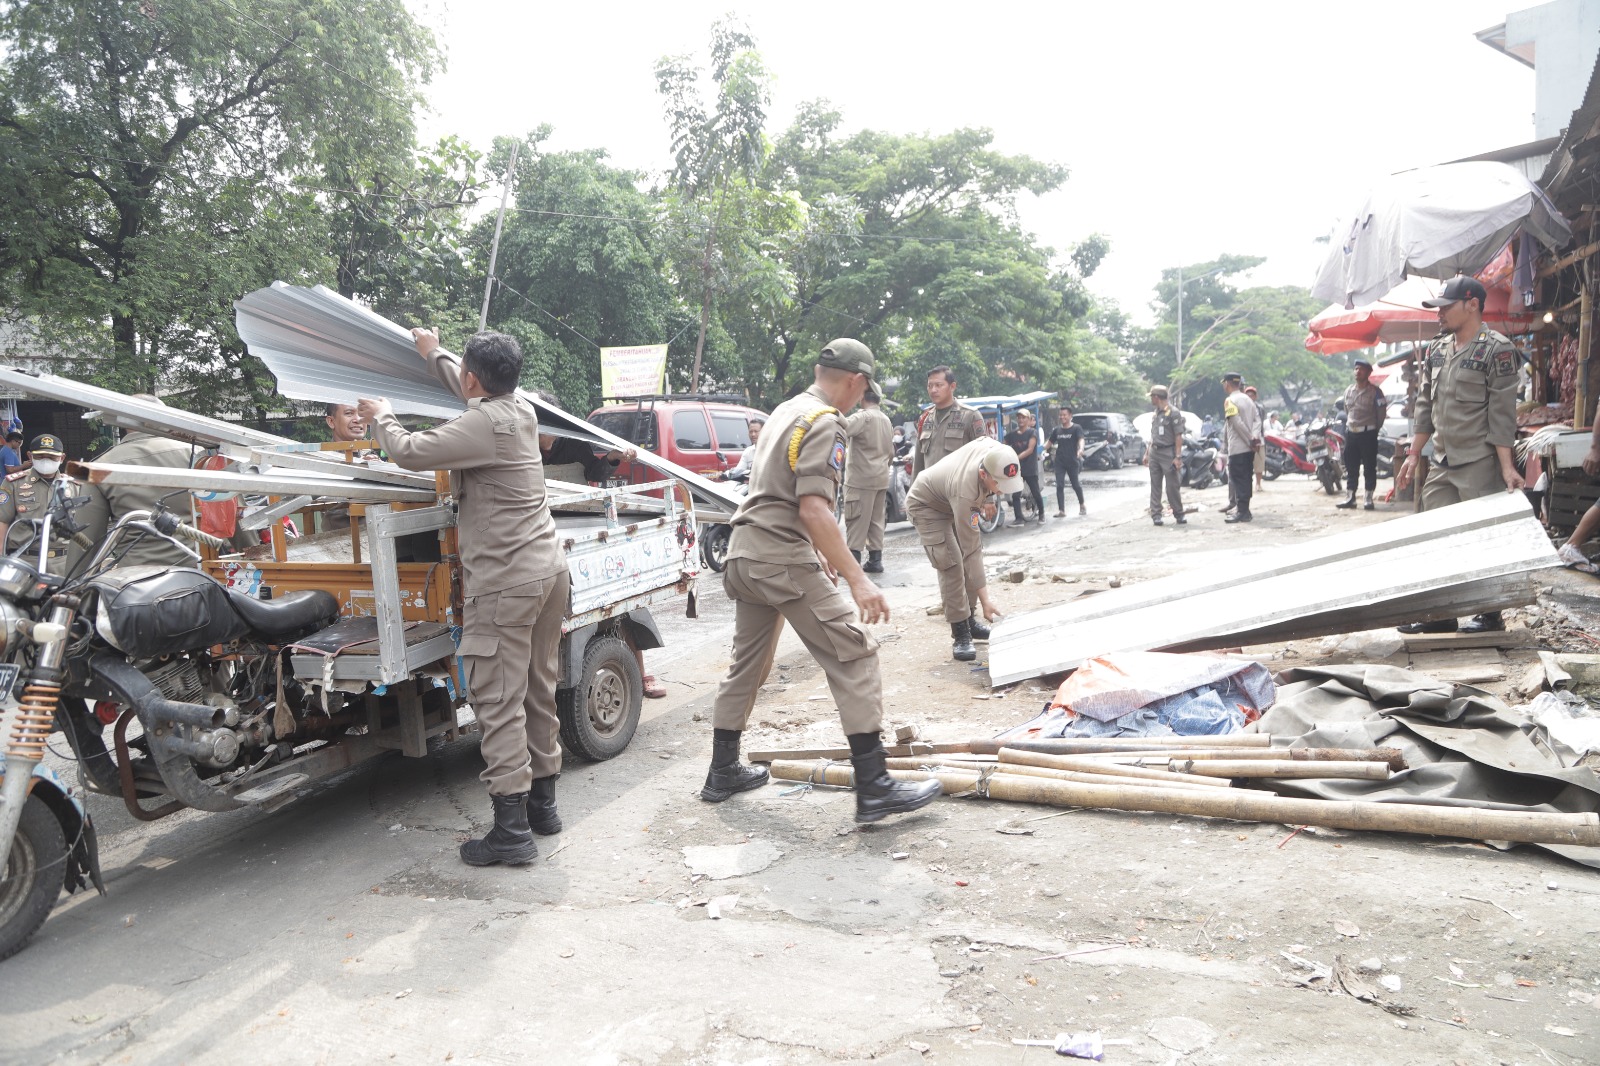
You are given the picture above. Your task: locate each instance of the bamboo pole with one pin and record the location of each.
(1094, 766)
(1281, 768)
(1075, 746)
(1020, 770)
(1392, 756)
(1248, 805)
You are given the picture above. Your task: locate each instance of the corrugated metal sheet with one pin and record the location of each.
(1459, 560)
(324, 348)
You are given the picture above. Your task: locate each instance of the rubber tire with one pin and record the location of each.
(1277, 463)
(714, 547)
(1329, 476)
(611, 676)
(38, 867)
(989, 525)
(1203, 481)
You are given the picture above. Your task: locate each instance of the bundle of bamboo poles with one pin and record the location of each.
(1184, 775)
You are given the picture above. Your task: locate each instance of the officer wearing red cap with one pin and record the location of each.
(1467, 407)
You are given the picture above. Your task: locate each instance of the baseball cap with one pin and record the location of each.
(48, 443)
(1361, 363)
(849, 354)
(1459, 288)
(1004, 466)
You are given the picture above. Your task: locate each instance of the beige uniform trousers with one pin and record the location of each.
(865, 511)
(1469, 481)
(955, 553)
(510, 645)
(765, 595)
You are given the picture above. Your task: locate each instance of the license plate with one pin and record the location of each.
(8, 678)
(1314, 454)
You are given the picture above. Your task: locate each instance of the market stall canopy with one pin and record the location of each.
(1437, 222)
(1399, 317)
(325, 348)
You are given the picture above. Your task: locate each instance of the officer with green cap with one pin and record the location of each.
(25, 497)
(782, 559)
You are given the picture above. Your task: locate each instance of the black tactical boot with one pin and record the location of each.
(727, 774)
(542, 816)
(1369, 505)
(1349, 501)
(874, 563)
(979, 628)
(510, 841)
(961, 642)
(855, 555)
(878, 794)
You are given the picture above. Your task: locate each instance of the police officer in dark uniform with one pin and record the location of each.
(25, 497)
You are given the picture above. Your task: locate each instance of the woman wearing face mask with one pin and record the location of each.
(25, 497)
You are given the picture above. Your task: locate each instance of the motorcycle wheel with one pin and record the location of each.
(714, 547)
(601, 712)
(1203, 481)
(1277, 462)
(35, 874)
(1328, 474)
(989, 525)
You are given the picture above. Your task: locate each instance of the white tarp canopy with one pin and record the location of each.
(1437, 222)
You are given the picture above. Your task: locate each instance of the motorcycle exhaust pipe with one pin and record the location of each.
(199, 715)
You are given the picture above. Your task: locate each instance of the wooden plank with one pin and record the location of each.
(1510, 638)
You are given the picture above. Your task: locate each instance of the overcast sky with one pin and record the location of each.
(1190, 129)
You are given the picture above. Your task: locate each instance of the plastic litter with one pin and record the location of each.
(1074, 1045)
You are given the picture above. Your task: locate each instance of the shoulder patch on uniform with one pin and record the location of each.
(800, 430)
(18, 475)
(975, 519)
(5, 497)
(836, 460)
(1505, 363)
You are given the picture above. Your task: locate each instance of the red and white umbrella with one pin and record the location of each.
(1400, 317)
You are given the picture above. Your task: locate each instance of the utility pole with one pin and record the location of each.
(494, 248)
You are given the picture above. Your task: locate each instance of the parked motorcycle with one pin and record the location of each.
(900, 477)
(714, 536)
(1325, 451)
(1203, 463)
(1102, 455)
(200, 669)
(1285, 455)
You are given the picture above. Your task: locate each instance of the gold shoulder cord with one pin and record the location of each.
(800, 429)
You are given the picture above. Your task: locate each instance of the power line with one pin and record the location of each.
(524, 296)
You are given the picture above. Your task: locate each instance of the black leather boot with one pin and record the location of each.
(542, 816)
(1349, 502)
(979, 628)
(878, 794)
(855, 555)
(961, 642)
(874, 563)
(510, 841)
(727, 774)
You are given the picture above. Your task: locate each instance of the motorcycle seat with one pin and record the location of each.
(292, 616)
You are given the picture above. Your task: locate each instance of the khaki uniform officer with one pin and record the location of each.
(1467, 406)
(784, 534)
(866, 482)
(947, 425)
(944, 505)
(516, 580)
(25, 497)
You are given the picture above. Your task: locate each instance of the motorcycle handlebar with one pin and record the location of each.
(188, 532)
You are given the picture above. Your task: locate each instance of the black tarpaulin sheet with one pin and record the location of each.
(1463, 747)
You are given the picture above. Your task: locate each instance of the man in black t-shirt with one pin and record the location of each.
(1024, 440)
(1066, 455)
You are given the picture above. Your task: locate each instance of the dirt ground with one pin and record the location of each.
(342, 928)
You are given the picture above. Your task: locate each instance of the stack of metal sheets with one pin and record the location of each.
(1477, 556)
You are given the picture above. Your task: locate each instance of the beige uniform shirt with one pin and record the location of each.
(801, 453)
(492, 452)
(1242, 430)
(25, 496)
(145, 449)
(871, 443)
(1364, 409)
(951, 486)
(1468, 398)
(942, 432)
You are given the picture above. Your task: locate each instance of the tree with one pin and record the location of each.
(156, 149)
(716, 151)
(1261, 336)
(579, 268)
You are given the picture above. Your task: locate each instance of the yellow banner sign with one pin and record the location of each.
(636, 371)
